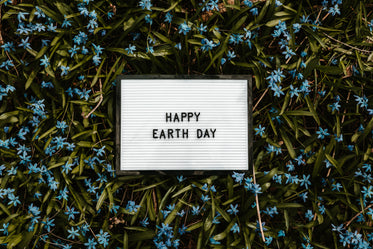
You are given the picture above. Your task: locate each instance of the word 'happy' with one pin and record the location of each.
(183, 133)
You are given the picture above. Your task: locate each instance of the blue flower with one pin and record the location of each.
(148, 19)
(288, 53)
(61, 125)
(233, 209)
(335, 106)
(181, 213)
(296, 27)
(195, 210)
(304, 196)
(338, 229)
(362, 101)
(202, 28)
(178, 46)
(21, 16)
(305, 181)
(25, 44)
(281, 233)
(205, 187)
(334, 10)
(367, 192)
(100, 152)
(322, 133)
(238, 177)
(132, 207)
(110, 14)
(254, 188)
(248, 3)
(114, 208)
(71, 213)
(47, 85)
(65, 70)
(145, 4)
(180, 178)
(231, 55)
(338, 138)
(207, 45)
(48, 224)
(44, 61)
(13, 199)
(73, 50)
(277, 90)
(130, 49)
(294, 91)
(309, 215)
(260, 130)
(254, 11)
(235, 228)
(214, 242)
(103, 238)
(150, 49)
(84, 94)
(213, 5)
(168, 17)
(212, 189)
(144, 222)
(96, 60)
(367, 167)
(8, 47)
(271, 211)
(235, 39)
(205, 198)
(91, 244)
(66, 23)
(268, 240)
(184, 28)
(165, 213)
(5, 229)
(51, 27)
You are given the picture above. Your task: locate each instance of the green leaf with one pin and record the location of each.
(183, 190)
(289, 205)
(5, 209)
(288, 144)
(125, 240)
(85, 144)
(298, 113)
(312, 109)
(30, 79)
(317, 165)
(335, 163)
(147, 235)
(86, 133)
(274, 22)
(172, 215)
(50, 131)
(172, 6)
(8, 115)
(101, 200)
(94, 81)
(150, 186)
(14, 240)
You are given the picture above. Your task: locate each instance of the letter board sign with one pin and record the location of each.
(165, 123)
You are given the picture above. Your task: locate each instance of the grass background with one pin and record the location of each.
(312, 65)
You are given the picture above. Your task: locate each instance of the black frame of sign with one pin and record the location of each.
(118, 122)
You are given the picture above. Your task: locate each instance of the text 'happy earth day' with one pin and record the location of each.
(183, 133)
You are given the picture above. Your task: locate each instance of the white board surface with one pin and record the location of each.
(184, 124)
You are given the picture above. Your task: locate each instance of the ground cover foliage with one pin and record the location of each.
(313, 120)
